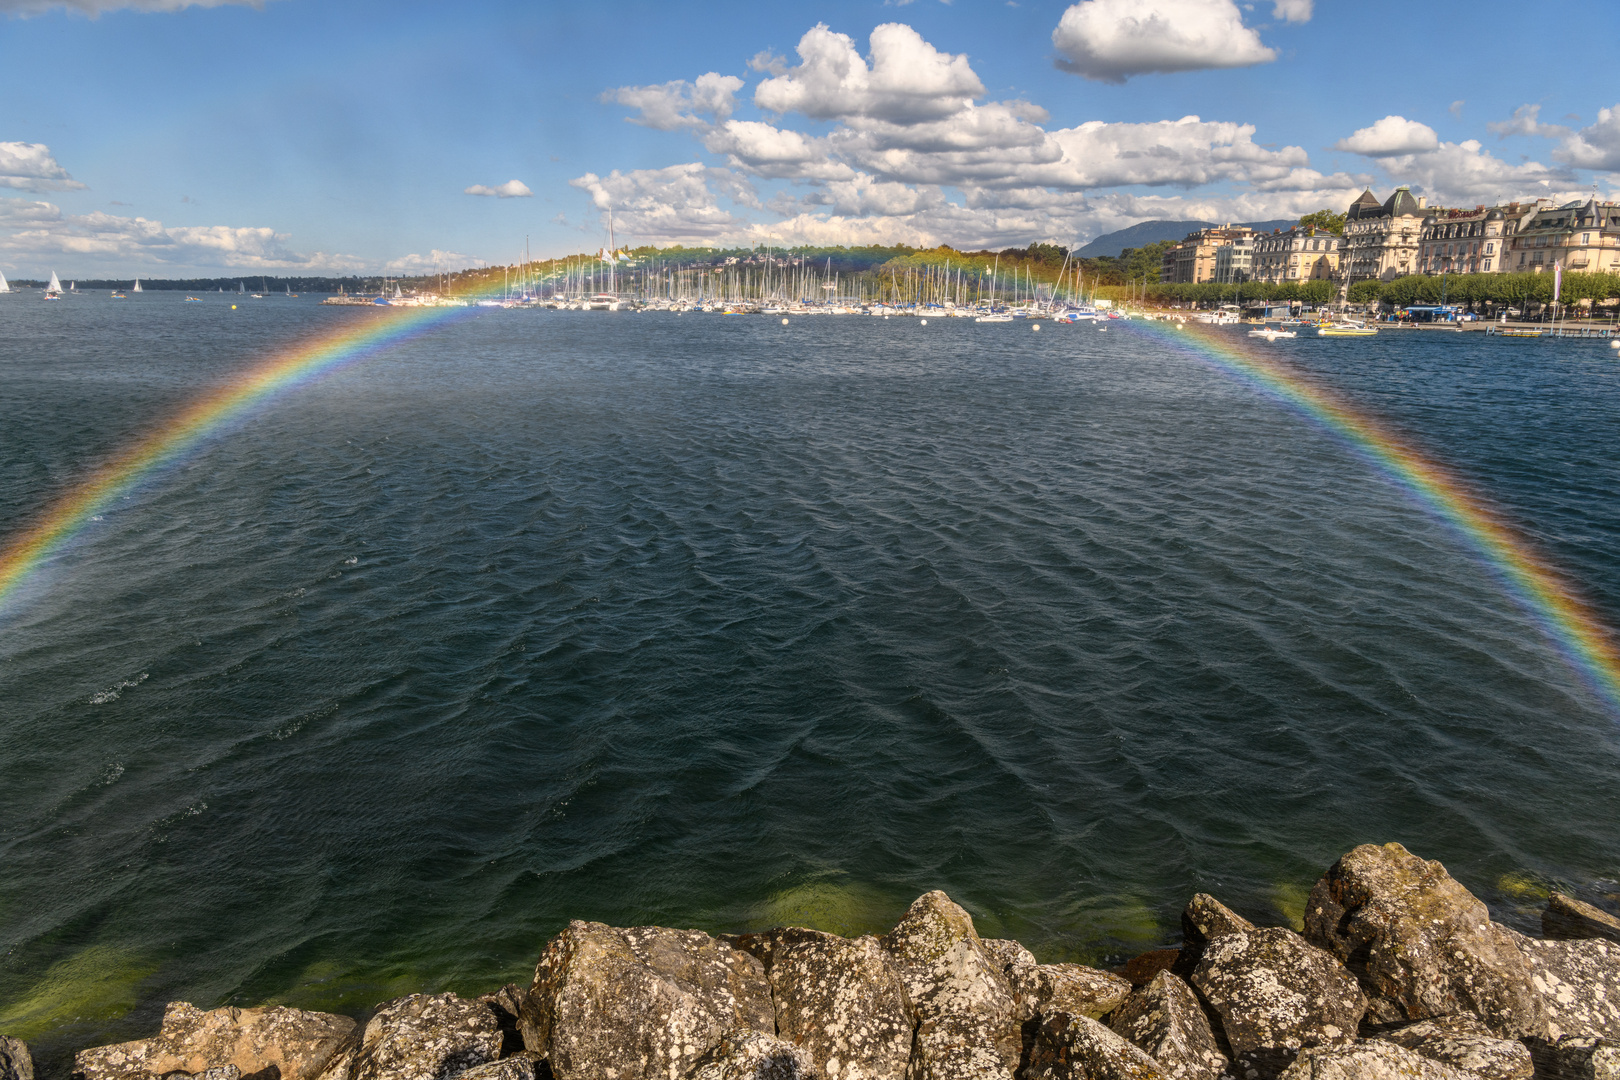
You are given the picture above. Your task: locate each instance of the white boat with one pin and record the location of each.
(1270, 334)
(1346, 329)
(5, 286)
(53, 291)
(994, 318)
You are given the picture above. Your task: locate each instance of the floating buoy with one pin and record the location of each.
(1614, 344)
(923, 322)
(1102, 329)
(1036, 326)
(784, 322)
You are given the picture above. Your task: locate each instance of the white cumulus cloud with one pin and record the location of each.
(1595, 147)
(667, 106)
(30, 167)
(433, 261)
(1293, 10)
(1390, 136)
(1111, 40)
(907, 80)
(512, 189)
(668, 205)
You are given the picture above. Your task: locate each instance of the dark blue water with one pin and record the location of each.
(714, 622)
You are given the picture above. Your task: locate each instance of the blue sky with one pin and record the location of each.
(164, 139)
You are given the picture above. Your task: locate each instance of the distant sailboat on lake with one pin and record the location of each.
(5, 286)
(53, 291)
(137, 287)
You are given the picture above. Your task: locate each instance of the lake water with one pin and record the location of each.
(715, 622)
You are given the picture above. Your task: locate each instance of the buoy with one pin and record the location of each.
(233, 307)
(1036, 326)
(1614, 344)
(1102, 329)
(784, 322)
(923, 322)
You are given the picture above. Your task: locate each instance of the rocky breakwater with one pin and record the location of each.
(1400, 974)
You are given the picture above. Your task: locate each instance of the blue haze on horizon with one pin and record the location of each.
(299, 137)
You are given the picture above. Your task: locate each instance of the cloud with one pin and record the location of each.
(907, 80)
(1390, 136)
(94, 8)
(767, 61)
(512, 189)
(1526, 120)
(671, 105)
(1299, 11)
(1111, 40)
(432, 262)
(30, 167)
(1595, 147)
(109, 240)
(668, 205)
(1456, 108)
(1465, 174)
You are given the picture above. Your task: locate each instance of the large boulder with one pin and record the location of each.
(1370, 1060)
(1578, 983)
(838, 1000)
(1569, 918)
(754, 1055)
(1052, 988)
(1422, 945)
(1577, 1057)
(1165, 1019)
(1464, 1042)
(296, 1044)
(1022, 971)
(16, 1063)
(1276, 995)
(1079, 1048)
(967, 1017)
(1203, 920)
(420, 1037)
(644, 1001)
(522, 1065)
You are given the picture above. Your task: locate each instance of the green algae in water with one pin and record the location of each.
(1288, 899)
(1524, 887)
(98, 984)
(332, 986)
(849, 908)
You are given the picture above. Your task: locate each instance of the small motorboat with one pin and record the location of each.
(192, 300)
(1346, 329)
(1271, 334)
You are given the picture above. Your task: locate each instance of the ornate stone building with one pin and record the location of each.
(1470, 241)
(1193, 259)
(1296, 255)
(1583, 236)
(1381, 240)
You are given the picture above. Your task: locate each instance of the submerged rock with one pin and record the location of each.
(295, 1043)
(754, 1055)
(1079, 1048)
(1276, 995)
(1569, 918)
(16, 1063)
(1464, 1042)
(839, 1000)
(639, 1002)
(420, 1037)
(1373, 1059)
(1421, 944)
(1165, 1020)
(1140, 970)
(967, 1018)
(1578, 983)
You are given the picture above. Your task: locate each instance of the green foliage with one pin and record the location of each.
(1325, 220)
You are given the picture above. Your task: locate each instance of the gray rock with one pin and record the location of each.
(1568, 918)
(967, 1018)
(1165, 1020)
(639, 1002)
(1206, 918)
(1276, 995)
(1421, 944)
(1464, 1042)
(16, 1063)
(297, 1044)
(1079, 1048)
(754, 1055)
(1577, 1057)
(1080, 991)
(507, 1003)
(420, 1037)
(1578, 983)
(222, 1072)
(1022, 972)
(520, 1066)
(1373, 1059)
(839, 1000)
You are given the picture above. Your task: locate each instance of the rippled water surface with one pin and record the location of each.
(720, 623)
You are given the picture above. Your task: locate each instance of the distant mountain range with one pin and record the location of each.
(1151, 232)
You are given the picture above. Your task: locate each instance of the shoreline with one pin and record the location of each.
(1397, 974)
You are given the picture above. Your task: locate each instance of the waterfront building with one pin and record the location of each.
(1381, 240)
(1234, 262)
(1471, 241)
(1583, 236)
(1193, 260)
(1296, 255)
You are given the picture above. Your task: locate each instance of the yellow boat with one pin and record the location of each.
(1345, 330)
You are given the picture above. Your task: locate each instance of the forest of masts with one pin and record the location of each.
(797, 282)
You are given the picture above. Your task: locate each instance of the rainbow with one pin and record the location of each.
(1550, 599)
(209, 415)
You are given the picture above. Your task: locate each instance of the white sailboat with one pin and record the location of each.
(53, 291)
(5, 286)
(137, 287)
